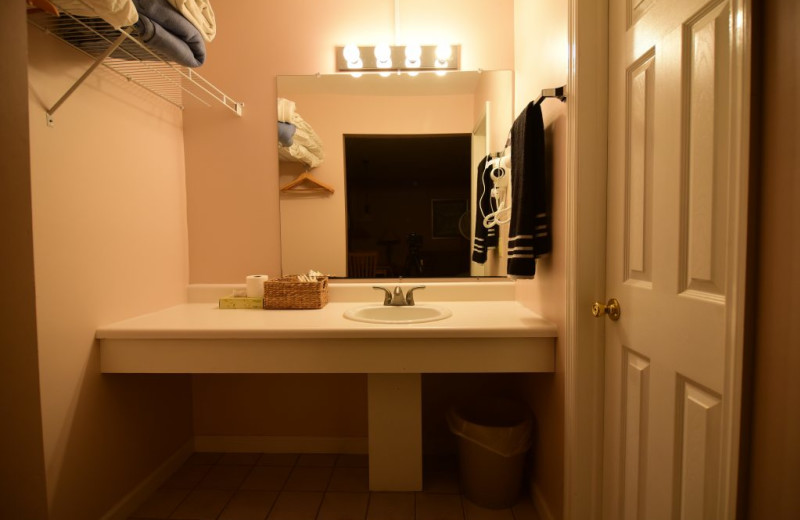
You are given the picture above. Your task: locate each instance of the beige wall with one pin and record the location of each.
(540, 48)
(774, 458)
(109, 237)
(22, 476)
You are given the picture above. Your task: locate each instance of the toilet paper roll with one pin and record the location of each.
(255, 285)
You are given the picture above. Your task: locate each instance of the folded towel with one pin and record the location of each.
(200, 14)
(529, 230)
(485, 239)
(285, 110)
(299, 153)
(118, 13)
(166, 31)
(307, 137)
(285, 133)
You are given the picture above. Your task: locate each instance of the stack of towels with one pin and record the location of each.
(177, 29)
(297, 141)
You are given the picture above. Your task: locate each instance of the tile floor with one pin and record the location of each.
(256, 486)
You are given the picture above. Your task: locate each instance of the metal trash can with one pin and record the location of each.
(493, 438)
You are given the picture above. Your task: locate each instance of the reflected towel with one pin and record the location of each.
(286, 133)
(285, 110)
(485, 239)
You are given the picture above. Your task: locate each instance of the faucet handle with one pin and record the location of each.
(387, 298)
(410, 294)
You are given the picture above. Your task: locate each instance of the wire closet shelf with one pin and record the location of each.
(121, 52)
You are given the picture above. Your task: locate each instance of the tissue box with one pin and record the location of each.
(240, 302)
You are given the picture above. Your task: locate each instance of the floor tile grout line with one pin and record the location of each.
(369, 500)
(272, 507)
(252, 465)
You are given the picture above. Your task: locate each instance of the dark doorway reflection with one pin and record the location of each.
(408, 205)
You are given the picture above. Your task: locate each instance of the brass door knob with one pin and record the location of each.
(610, 309)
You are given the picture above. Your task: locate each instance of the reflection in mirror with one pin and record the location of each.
(319, 229)
(408, 205)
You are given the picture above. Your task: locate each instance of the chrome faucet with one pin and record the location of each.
(396, 297)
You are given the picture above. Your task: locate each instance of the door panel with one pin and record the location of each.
(667, 253)
(635, 404)
(704, 175)
(697, 454)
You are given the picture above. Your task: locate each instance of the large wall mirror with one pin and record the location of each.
(401, 155)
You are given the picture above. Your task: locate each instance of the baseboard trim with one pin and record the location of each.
(269, 444)
(131, 502)
(540, 504)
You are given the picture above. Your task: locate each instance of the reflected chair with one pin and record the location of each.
(361, 264)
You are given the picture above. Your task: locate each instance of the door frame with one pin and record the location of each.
(587, 116)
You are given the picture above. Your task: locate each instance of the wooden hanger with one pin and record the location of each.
(306, 177)
(45, 6)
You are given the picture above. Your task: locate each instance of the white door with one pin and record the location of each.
(673, 226)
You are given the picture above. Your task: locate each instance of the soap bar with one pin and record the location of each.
(235, 302)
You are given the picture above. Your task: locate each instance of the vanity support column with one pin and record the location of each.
(395, 432)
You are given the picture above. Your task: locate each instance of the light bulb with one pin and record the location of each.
(383, 56)
(413, 52)
(352, 55)
(443, 52)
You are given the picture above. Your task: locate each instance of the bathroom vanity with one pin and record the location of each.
(488, 331)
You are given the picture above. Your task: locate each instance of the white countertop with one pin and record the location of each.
(206, 321)
(496, 334)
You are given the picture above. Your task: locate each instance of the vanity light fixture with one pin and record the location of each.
(383, 58)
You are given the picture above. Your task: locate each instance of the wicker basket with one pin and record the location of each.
(289, 293)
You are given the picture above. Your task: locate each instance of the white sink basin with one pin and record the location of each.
(402, 315)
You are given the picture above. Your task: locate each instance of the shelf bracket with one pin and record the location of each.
(116, 43)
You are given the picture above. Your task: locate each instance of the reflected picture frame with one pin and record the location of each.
(445, 217)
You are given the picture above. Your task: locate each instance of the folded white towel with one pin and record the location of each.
(298, 152)
(200, 14)
(285, 110)
(118, 13)
(306, 137)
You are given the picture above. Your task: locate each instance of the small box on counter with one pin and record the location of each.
(241, 302)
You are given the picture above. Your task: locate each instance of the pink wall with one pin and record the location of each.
(22, 473)
(109, 237)
(495, 88)
(541, 62)
(231, 164)
(326, 405)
